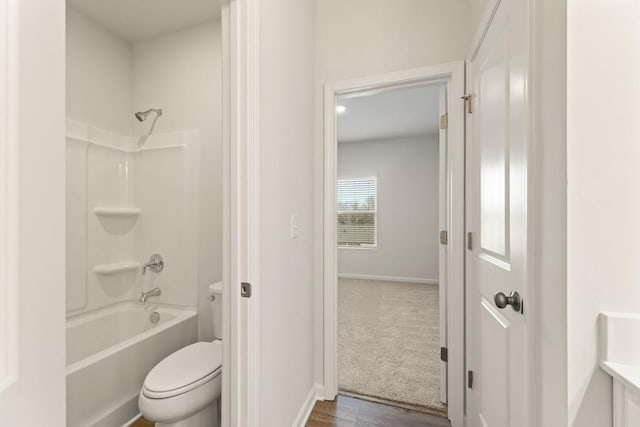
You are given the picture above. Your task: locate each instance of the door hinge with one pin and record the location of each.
(444, 121)
(470, 379)
(469, 241)
(444, 237)
(468, 102)
(444, 354)
(245, 290)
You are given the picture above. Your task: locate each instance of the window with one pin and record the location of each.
(357, 203)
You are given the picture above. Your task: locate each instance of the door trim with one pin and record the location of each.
(8, 193)
(453, 74)
(241, 212)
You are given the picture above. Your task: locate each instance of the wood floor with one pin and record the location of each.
(348, 411)
(141, 422)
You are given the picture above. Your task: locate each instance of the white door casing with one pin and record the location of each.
(229, 398)
(497, 193)
(241, 210)
(442, 224)
(453, 75)
(8, 195)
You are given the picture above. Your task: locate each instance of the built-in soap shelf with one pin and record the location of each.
(116, 268)
(121, 212)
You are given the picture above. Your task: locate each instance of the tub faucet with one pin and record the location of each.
(152, 293)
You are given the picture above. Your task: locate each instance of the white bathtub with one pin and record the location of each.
(109, 353)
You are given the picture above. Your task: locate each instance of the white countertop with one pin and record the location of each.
(629, 375)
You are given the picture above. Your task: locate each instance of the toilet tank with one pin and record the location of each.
(215, 292)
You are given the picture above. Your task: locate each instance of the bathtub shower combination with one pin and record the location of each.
(130, 202)
(111, 350)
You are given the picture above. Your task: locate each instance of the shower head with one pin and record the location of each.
(142, 115)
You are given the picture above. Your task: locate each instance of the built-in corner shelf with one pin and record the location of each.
(116, 212)
(116, 268)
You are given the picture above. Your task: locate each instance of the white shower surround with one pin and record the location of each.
(126, 201)
(109, 353)
(127, 198)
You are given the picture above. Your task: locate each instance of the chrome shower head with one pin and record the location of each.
(142, 115)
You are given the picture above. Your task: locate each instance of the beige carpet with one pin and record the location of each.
(388, 341)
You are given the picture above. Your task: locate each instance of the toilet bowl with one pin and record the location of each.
(184, 387)
(183, 390)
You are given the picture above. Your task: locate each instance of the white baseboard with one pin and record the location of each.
(319, 392)
(307, 407)
(387, 278)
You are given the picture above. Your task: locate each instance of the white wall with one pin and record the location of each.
(181, 73)
(407, 213)
(604, 196)
(360, 37)
(37, 398)
(357, 38)
(477, 9)
(286, 171)
(99, 75)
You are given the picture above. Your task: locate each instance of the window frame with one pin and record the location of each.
(351, 211)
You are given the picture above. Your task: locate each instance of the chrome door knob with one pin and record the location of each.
(514, 300)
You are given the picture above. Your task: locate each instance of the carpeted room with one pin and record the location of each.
(388, 247)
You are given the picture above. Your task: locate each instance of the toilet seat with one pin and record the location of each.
(184, 370)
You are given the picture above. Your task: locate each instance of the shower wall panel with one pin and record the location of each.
(167, 185)
(76, 230)
(111, 185)
(127, 199)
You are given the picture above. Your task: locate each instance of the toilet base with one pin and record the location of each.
(207, 417)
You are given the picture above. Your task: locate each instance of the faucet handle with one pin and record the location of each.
(155, 264)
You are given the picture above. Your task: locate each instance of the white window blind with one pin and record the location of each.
(357, 202)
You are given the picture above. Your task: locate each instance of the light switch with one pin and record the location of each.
(295, 227)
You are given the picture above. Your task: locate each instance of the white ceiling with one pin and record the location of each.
(392, 113)
(135, 20)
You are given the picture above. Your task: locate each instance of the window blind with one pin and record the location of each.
(357, 212)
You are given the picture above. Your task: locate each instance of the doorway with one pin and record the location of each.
(391, 150)
(144, 206)
(389, 331)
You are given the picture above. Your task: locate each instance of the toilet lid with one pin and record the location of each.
(183, 370)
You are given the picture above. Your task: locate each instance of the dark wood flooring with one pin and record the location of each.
(141, 422)
(348, 411)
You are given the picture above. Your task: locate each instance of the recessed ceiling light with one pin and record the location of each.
(341, 109)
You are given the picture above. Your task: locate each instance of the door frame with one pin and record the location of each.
(241, 212)
(452, 74)
(8, 193)
(443, 134)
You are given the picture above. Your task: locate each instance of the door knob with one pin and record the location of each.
(513, 300)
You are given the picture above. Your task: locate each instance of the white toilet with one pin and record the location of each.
(183, 390)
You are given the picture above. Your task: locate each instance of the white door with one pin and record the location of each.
(442, 221)
(497, 219)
